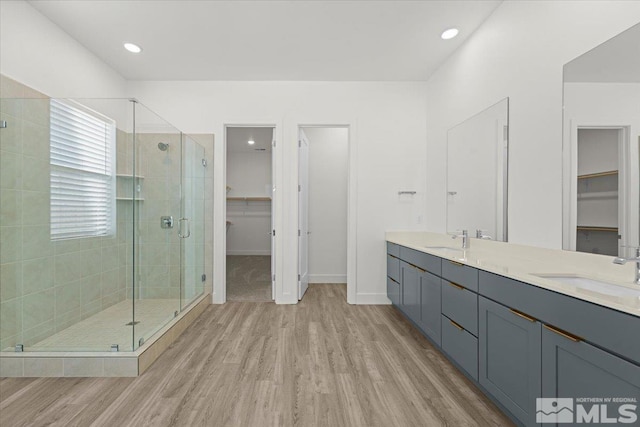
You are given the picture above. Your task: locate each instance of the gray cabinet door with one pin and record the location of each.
(393, 291)
(509, 358)
(410, 301)
(575, 369)
(430, 306)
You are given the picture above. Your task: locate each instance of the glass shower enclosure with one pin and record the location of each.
(101, 224)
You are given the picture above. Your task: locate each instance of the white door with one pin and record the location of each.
(303, 213)
(273, 226)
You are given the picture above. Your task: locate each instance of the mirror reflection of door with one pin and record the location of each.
(303, 214)
(598, 205)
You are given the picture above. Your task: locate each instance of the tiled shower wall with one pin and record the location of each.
(45, 286)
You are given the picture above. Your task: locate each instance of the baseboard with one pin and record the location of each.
(327, 278)
(249, 252)
(372, 299)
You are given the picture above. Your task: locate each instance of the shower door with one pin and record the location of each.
(192, 221)
(157, 262)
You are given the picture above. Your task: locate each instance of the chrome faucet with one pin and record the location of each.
(465, 239)
(482, 236)
(622, 261)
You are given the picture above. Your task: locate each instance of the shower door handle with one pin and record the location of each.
(180, 233)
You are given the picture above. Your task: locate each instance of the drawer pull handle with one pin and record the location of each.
(457, 263)
(524, 316)
(455, 285)
(563, 334)
(394, 281)
(418, 268)
(456, 325)
(392, 256)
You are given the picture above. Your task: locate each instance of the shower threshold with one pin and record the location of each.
(47, 359)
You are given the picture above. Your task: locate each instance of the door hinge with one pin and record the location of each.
(204, 278)
(273, 278)
(272, 231)
(299, 188)
(274, 143)
(298, 277)
(3, 124)
(298, 233)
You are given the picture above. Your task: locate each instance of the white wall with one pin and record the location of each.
(328, 185)
(37, 53)
(388, 142)
(249, 175)
(519, 53)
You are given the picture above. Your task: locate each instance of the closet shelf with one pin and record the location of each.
(594, 228)
(249, 199)
(598, 195)
(597, 174)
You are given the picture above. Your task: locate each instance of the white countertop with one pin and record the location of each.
(522, 263)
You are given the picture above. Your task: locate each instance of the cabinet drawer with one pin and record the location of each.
(393, 291)
(426, 262)
(461, 274)
(393, 249)
(393, 267)
(461, 346)
(460, 305)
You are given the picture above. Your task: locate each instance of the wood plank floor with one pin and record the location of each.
(319, 363)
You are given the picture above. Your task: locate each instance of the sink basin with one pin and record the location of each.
(593, 285)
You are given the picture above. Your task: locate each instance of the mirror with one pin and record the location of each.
(477, 165)
(601, 137)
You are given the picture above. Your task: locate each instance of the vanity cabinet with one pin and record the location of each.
(410, 301)
(509, 356)
(413, 285)
(393, 291)
(430, 306)
(517, 341)
(572, 367)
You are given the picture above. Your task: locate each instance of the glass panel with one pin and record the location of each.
(66, 294)
(157, 213)
(114, 286)
(192, 247)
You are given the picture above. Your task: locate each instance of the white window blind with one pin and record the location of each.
(82, 147)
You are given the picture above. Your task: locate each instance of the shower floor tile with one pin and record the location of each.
(100, 331)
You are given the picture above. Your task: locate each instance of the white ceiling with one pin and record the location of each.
(237, 138)
(269, 40)
(614, 61)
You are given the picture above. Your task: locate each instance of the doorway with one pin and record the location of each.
(600, 204)
(323, 205)
(249, 226)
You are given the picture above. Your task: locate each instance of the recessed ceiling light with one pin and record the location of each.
(449, 34)
(133, 48)
(251, 142)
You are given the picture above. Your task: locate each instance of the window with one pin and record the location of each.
(82, 148)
